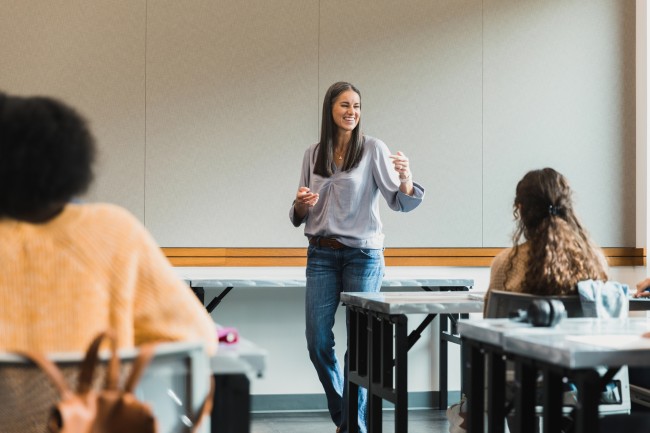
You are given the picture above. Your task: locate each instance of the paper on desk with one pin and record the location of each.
(614, 341)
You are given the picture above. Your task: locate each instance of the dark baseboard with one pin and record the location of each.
(317, 402)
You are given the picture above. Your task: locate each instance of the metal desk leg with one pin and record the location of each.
(357, 363)
(496, 395)
(401, 379)
(200, 293)
(552, 400)
(376, 351)
(378, 346)
(589, 387)
(388, 345)
(443, 356)
(232, 404)
(448, 335)
(353, 407)
(217, 299)
(475, 366)
(526, 376)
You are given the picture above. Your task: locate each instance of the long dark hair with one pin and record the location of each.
(560, 253)
(325, 148)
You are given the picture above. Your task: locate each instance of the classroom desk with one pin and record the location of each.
(576, 348)
(639, 304)
(227, 278)
(232, 367)
(378, 346)
(249, 358)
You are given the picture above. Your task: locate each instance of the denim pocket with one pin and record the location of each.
(373, 254)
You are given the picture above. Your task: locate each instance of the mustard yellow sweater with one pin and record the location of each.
(91, 268)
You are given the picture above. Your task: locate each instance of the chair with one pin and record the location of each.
(175, 384)
(502, 304)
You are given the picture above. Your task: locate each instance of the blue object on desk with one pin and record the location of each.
(608, 299)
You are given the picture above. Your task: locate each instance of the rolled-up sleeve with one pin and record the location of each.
(304, 181)
(387, 181)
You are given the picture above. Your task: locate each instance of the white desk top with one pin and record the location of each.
(416, 302)
(494, 331)
(240, 357)
(574, 343)
(286, 276)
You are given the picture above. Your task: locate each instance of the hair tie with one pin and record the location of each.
(554, 210)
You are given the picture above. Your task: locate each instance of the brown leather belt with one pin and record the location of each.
(326, 242)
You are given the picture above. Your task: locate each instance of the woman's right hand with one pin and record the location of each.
(304, 200)
(642, 289)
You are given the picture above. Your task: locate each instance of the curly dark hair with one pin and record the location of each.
(560, 252)
(46, 154)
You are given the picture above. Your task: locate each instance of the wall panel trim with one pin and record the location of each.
(616, 256)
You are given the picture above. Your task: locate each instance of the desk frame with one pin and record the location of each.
(479, 355)
(385, 378)
(199, 281)
(486, 360)
(378, 347)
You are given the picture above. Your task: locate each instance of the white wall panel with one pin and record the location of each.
(91, 55)
(559, 91)
(231, 105)
(203, 110)
(417, 64)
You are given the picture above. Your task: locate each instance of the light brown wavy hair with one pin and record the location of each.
(560, 252)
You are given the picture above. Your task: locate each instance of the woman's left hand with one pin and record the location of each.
(401, 164)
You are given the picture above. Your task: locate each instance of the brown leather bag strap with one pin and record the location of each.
(113, 374)
(87, 369)
(87, 366)
(206, 407)
(139, 366)
(91, 359)
(50, 369)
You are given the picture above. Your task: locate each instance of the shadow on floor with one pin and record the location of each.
(420, 421)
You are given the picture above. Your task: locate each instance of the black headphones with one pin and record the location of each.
(541, 312)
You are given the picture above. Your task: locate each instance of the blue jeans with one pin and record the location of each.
(330, 272)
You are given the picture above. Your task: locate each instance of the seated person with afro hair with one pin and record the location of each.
(70, 270)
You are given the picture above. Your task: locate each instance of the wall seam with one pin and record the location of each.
(482, 123)
(144, 177)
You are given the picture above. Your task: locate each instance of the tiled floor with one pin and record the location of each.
(420, 421)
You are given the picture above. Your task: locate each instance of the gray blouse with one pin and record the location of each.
(348, 204)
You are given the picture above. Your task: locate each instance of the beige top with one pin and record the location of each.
(518, 272)
(498, 272)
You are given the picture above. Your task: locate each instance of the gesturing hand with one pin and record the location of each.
(401, 164)
(305, 197)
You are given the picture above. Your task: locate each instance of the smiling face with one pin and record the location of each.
(346, 111)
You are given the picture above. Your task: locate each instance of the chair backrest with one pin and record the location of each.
(175, 384)
(502, 304)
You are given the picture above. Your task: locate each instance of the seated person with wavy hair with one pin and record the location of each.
(556, 252)
(70, 270)
(551, 251)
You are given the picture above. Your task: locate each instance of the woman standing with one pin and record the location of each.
(341, 179)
